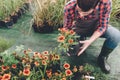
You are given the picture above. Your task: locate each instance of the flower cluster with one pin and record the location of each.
(44, 65)
(66, 38)
(33, 65)
(39, 66)
(78, 72)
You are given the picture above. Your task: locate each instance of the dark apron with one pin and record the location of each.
(86, 26)
(83, 28)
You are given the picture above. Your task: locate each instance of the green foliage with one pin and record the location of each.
(8, 58)
(48, 11)
(88, 68)
(115, 9)
(100, 75)
(5, 44)
(96, 72)
(9, 6)
(66, 38)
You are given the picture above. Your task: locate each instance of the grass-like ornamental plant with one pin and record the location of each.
(8, 7)
(115, 9)
(48, 13)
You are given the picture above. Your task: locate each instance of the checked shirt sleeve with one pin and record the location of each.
(105, 9)
(68, 18)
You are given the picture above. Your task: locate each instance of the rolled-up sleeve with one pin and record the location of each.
(104, 15)
(67, 18)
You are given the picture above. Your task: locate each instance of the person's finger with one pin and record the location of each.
(82, 42)
(68, 54)
(81, 47)
(82, 50)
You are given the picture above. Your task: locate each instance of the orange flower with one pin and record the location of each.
(61, 38)
(36, 54)
(62, 30)
(51, 57)
(36, 63)
(6, 77)
(25, 52)
(45, 57)
(4, 67)
(29, 50)
(26, 72)
(40, 56)
(66, 66)
(57, 57)
(68, 72)
(64, 78)
(14, 66)
(80, 68)
(49, 73)
(44, 62)
(72, 32)
(45, 53)
(0, 77)
(75, 69)
(23, 60)
(70, 41)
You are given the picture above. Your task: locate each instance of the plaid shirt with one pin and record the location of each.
(103, 8)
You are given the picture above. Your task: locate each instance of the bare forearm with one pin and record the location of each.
(95, 35)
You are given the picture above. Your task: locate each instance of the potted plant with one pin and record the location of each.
(68, 41)
(47, 15)
(10, 11)
(2, 14)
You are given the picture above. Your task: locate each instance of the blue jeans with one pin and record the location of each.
(112, 36)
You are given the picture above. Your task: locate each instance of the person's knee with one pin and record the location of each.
(114, 34)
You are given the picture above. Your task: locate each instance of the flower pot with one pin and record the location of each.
(19, 13)
(2, 24)
(9, 24)
(26, 6)
(118, 15)
(74, 49)
(14, 18)
(42, 29)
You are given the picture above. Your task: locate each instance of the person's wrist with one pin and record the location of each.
(91, 40)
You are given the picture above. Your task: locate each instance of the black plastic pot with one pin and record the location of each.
(26, 6)
(14, 18)
(19, 13)
(42, 29)
(9, 24)
(74, 49)
(2, 24)
(118, 15)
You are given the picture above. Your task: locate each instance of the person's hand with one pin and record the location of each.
(85, 45)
